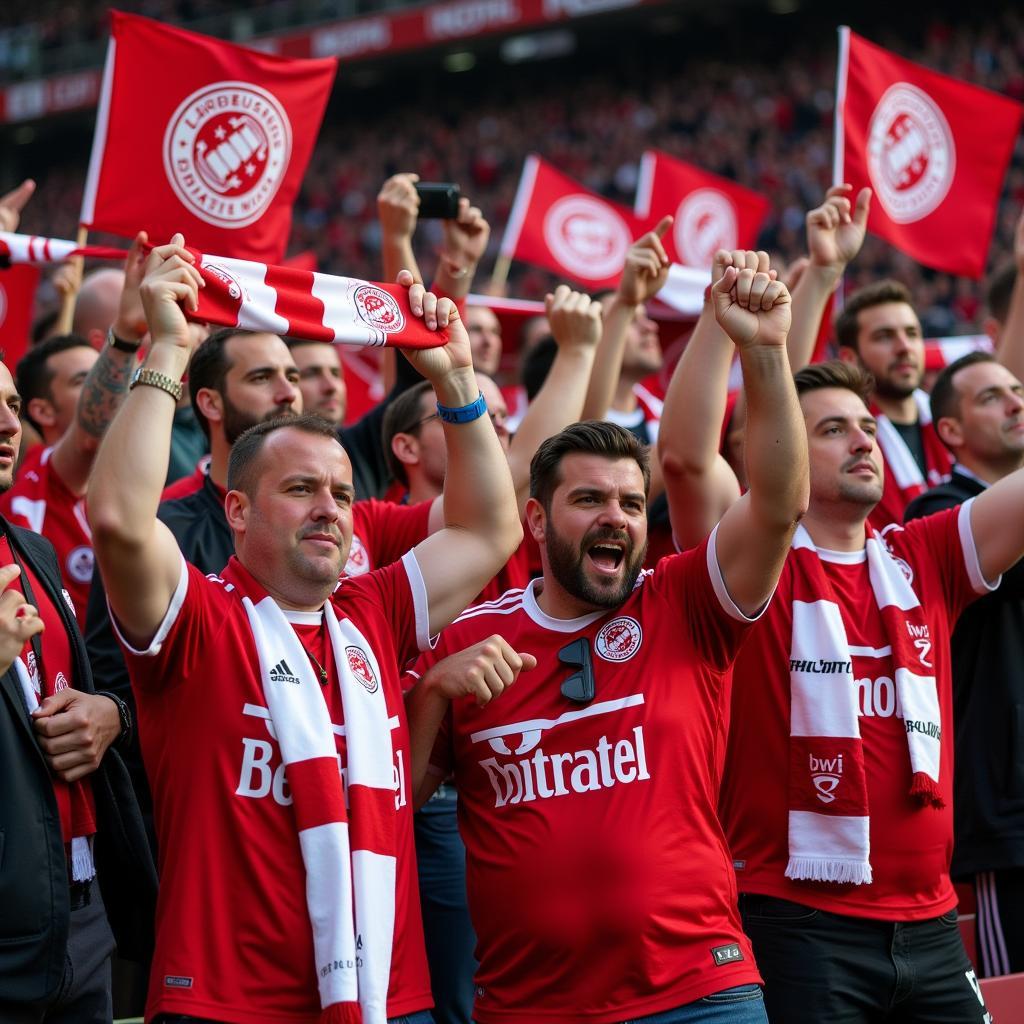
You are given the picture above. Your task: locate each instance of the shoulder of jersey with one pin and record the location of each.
(509, 603)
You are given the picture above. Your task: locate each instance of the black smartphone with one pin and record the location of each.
(438, 200)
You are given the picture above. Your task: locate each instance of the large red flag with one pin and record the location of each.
(558, 224)
(710, 212)
(203, 137)
(17, 301)
(934, 149)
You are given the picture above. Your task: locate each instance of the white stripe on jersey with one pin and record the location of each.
(540, 724)
(510, 601)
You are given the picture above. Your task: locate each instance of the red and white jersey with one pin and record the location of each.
(41, 502)
(234, 941)
(646, 415)
(383, 531)
(600, 885)
(910, 845)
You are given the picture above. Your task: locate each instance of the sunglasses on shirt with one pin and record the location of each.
(579, 687)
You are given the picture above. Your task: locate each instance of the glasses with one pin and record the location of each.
(579, 687)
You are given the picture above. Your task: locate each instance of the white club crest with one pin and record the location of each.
(705, 223)
(619, 639)
(587, 237)
(226, 151)
(911, 153)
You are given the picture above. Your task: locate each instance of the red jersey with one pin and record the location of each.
(234, 940)
(910, 845)
(41, 502)
(600, 885)
(382, 532)
(188, 484)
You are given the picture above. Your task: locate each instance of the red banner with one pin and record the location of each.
(558, 224)
(710, 212)
(203, 137)
(935, 150)
(17, 304)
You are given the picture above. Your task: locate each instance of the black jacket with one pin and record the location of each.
(988, 710)
(34, 901)
(202, 532)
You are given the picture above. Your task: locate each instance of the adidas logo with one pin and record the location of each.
(281, 673)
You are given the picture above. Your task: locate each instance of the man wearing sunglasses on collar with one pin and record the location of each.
(599, 881)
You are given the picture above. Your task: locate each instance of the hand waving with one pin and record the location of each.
(646, 268)
(835, 230)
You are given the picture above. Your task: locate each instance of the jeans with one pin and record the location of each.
(819, 966)
(742, 1004)
(447, 929)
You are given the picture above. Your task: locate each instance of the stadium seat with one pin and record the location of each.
(1004, 998)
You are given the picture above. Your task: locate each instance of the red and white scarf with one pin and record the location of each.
(828, 798)
(349, 854)
(904, 480)
(260, 297)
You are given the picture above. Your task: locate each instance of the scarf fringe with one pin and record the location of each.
(822, 869)
(925, 790)
(341, 1013)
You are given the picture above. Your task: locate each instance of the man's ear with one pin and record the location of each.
(950, 431)
(406, 449)
(41, 411)
(848, 355)
(536, 519)
(236, 509)
(211, 404)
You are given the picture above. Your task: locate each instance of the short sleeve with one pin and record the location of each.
(691, 583)
(187, 632)
(400, 595)
(946, 541)
(442, 755)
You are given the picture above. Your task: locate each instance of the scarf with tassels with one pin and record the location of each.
(828, 798)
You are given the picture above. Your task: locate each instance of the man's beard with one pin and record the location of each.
(887, 389)
(237, 421)
(566, 564)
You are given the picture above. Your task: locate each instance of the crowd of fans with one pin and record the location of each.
(619, 710)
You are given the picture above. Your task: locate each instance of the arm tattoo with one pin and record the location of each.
(103, 390)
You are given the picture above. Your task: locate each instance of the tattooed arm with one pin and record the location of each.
(106, 385)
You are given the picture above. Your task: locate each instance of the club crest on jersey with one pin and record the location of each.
(226, 150)
(358, 561)
(361, 668)
(619, 639)
(911, 153)
(826, 774)
(230, 282)
(379, 309)
(79, 564)
(705, 223)
(587, 237)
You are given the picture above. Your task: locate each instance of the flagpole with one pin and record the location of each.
(67, 306)
(499, 278)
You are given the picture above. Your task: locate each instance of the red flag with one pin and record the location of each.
(710, 212)
(203, 137)
(17, 302)
(934, 149)
(557, 223)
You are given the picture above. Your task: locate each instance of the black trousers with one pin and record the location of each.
(822, 967)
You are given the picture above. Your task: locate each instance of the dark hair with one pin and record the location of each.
(944, 398)
(244, 456)
(43, 326)
(538, 365)
(209, 367)
(875, 294)
(33, 377)
(402, 416)
(591, 437)
(298, 342)
(998, 290)
(835, 374)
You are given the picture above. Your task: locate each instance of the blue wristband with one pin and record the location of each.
(464, 413)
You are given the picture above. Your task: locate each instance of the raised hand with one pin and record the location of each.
(646, 267)
(465, 239)
(130, 324)
(483, 671)
(437, 314)
(13, 203)
(398, 206)
(19, 621)
(574, 317)
(170, 284)
(835, 230)
(751, 306)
